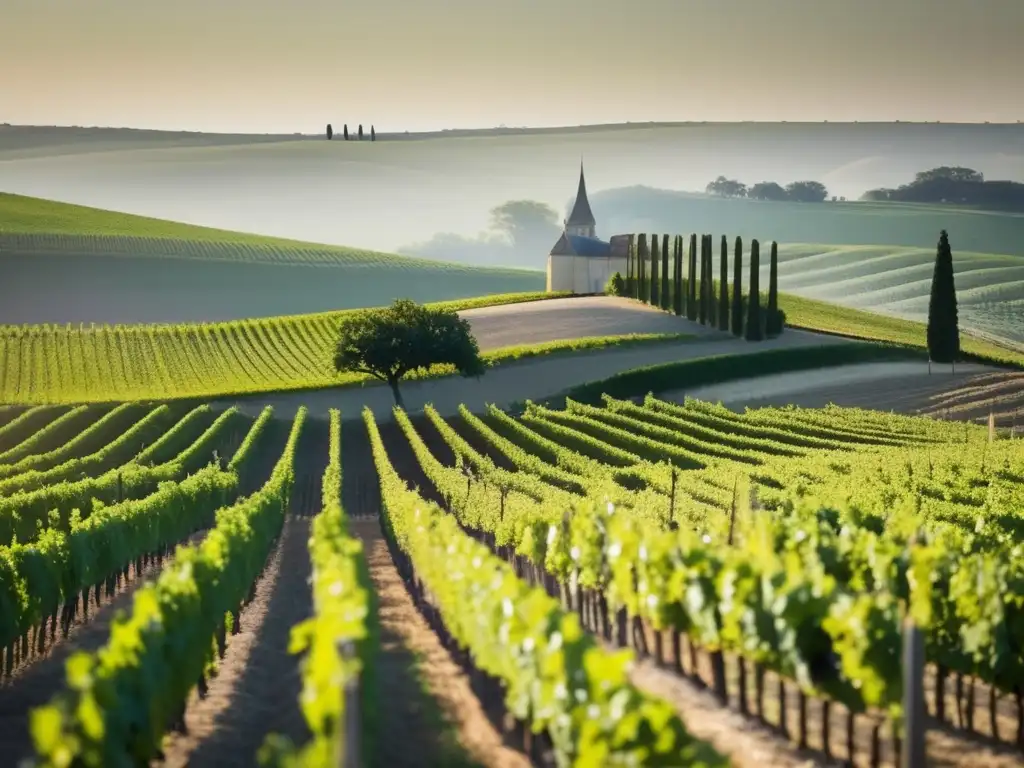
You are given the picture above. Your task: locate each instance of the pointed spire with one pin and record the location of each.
(581, 215)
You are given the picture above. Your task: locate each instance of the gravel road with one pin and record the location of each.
(536, 322)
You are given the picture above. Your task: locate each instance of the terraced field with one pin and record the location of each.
(897, 281)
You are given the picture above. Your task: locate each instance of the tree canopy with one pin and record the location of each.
(405, 337)
(528, 224)
(806, 191)
(724, 187)
(767, 190)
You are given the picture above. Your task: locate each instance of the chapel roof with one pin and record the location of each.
(581, 215)
(578, 245)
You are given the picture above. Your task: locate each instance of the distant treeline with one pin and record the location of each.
(963, 186)
(798, 191)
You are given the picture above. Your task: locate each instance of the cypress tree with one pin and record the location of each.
(677, 275)
(345, 134)
(641, 263)
(737, 288)
(723, 286)
(360, 131)
(773, 320)
(330, 132)
(666, 296)
(691, 286)
(943, 315)
(629, 270)
(754, 328)
(702, 308)
(655, 266)
(710, 296)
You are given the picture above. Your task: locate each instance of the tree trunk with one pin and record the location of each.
(393, 383)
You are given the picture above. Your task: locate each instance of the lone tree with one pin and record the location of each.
(360, 131)
(345, 132)
(665, 295)
(754, 330)
(773, 320)
(389, 343)
(943, 322)
(737, 288)
(723, 286)
(330, 132)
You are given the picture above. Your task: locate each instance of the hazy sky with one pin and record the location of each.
(293, 65)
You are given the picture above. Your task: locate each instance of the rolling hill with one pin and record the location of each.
(63, 263)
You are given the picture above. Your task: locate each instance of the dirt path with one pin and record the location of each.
(35, 683)
(534, 379)
(425, 697)
(257, 685)
(536, 322)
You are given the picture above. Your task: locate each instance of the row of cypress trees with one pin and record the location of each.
(650, 279)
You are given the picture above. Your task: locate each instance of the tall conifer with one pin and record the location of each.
(755, 329)
(723, 286)
(666, 295)
(655, 266)
(773, 319)
(737, 288)
(943, 314)
(691, 278)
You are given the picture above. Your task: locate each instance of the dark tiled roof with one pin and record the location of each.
(581, 215)
(577, 245)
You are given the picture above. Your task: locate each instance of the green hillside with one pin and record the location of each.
(34, 224)
(63, 263)
(897, 281)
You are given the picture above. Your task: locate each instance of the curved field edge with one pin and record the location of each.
(823, 317)
(717, 369)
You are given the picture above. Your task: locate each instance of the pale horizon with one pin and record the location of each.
(282, 68)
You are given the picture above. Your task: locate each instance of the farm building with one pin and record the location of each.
(579, 261)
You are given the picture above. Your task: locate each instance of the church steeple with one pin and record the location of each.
(581, 219)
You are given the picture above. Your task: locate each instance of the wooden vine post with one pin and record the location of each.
(350, 756)
(912, 753)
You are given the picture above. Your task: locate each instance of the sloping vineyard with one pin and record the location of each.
(269, 252)
(791, 541)
(770, 556)
(42, 364)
